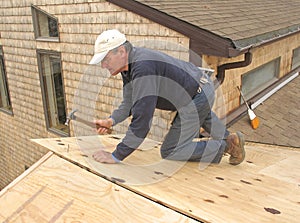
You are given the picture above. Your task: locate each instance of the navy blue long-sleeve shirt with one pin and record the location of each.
(153, 80)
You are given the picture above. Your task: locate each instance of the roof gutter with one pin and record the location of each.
(222, 68)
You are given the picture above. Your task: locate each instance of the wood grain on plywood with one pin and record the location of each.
(58, 191)
(254, 191)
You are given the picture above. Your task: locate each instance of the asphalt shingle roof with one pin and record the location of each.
(246, 23)
(279, 118)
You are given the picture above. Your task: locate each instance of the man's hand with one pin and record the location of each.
(103, 157)
(106, 123)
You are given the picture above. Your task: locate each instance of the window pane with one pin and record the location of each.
(44, 24)
(260, 78)
(59, 93)
(296, 58)
(52, 23)
(53, 91)
(4, 95)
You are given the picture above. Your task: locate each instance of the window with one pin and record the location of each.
(5, 104)
(53, 91)
(296, 58)
(45, 25)
(257, 80)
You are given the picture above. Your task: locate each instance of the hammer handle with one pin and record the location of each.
(91, 124)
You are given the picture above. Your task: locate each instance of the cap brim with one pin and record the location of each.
(97, 58)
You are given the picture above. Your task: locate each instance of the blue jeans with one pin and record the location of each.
(178, 143)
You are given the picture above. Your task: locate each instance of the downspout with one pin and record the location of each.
(222, 68)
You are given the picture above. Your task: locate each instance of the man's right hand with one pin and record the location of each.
(104, 125)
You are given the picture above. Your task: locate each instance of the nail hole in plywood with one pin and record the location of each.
(245, 182)
(272, 210)
(223, 195)
(209, 201)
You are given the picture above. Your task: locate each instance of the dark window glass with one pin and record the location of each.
(45, 25)
(53, 91)
(4, 93)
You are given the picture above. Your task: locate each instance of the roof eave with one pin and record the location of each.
(203, 41)
(260, 41)
(200, 39)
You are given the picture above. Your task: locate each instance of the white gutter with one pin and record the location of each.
(270, 93)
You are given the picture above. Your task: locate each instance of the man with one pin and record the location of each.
(151, 80)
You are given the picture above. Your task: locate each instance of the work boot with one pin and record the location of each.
(235, 148)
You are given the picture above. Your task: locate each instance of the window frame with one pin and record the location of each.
(295, 63)
(260, 88)
(5, 84)
(41, 52)
(36, 25)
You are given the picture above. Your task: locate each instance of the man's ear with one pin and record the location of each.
(122, 51)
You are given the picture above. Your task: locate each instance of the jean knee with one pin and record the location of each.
(165, 151)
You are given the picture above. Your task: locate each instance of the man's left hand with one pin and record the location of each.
(103, 157)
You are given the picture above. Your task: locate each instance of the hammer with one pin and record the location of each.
(72, 116)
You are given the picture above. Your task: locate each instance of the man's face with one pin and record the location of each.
(115, 61)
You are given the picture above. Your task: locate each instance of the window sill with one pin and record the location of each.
(59, 132)
(48, 39)
(9, 112)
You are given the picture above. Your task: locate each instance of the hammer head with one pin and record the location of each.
(71, 116)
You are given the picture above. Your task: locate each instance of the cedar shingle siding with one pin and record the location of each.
(220, 33)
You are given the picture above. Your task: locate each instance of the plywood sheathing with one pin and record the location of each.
(59, 191)
(264, 188)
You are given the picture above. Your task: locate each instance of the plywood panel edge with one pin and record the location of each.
(26, 173)
(258, 144)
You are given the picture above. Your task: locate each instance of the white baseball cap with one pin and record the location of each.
(105, 42)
